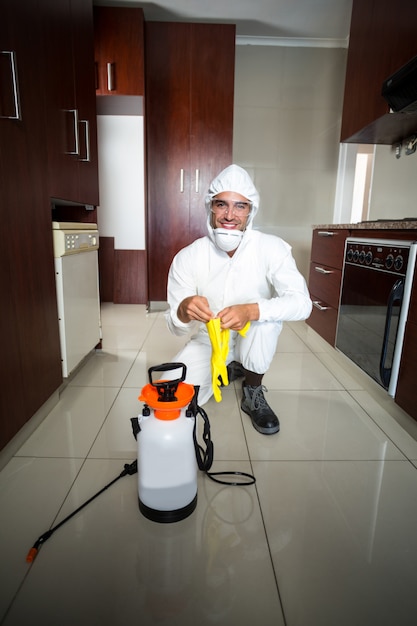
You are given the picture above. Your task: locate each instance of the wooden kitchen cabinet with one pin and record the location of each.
(119, 50)
(382, 39)
(325, 278)
(30, 364)
(70, 101)
(189, 131)
(406, 396)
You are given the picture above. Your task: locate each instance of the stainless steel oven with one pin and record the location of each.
(374, 300)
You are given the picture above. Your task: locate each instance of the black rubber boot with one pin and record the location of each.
(254, 404)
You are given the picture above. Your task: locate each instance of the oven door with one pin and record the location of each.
(369, 313)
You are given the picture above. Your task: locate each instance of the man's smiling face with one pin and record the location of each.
(230, 210)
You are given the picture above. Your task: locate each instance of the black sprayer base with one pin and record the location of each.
(166, 517)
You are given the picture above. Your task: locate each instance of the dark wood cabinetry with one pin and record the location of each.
(30, 355)
(33, 88)
(189, 123)
(327, 254)
(118, 37)
(382, 39)
(325, 279)
(70, 100)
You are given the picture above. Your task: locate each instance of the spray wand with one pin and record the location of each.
(128, 470)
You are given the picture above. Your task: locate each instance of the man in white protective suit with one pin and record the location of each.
(239, 275)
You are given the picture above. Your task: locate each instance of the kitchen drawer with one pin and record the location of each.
(324, 282)
(323, 320)
(328, 246)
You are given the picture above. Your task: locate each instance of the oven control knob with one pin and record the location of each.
(398, 263)
(356, 256)
(349, 254)
(362, 256)
(389, 261)
(368, 258)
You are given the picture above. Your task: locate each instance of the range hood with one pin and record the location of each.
(400, 89)
(400, 92)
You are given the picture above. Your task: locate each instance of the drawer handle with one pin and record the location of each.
(318, 306)
(15, 85)
(321, 270)
(87, 157)
(326, 233)
(110, 77)
(76, 150)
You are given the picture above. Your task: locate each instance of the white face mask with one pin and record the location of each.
(226, 239)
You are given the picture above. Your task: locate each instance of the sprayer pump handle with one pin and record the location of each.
(167, 388)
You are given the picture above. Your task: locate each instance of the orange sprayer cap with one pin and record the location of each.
(167, 410)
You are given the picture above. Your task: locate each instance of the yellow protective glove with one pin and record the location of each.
(220, 347)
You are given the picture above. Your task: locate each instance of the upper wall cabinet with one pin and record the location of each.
(71, 102)
(118, 37)
(382, 39)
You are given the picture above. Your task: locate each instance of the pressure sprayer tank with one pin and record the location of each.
(167, 466)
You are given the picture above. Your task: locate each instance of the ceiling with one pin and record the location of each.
(267, 19)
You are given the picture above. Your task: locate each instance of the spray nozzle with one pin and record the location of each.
(167, 388)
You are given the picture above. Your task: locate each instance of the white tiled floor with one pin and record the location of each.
(326, 537)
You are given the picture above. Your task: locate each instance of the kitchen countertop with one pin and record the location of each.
(374, 225)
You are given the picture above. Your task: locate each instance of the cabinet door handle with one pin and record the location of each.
(16, 100)
(326, 233)
(321, 270)
(319, 306)
(197, 181)
(87, 157)
(76, 151)
(110, 76)
(181, 180)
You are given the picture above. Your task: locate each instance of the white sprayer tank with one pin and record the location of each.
(167, 466)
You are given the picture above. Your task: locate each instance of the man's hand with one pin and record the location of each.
(195, 308)
(237, 316)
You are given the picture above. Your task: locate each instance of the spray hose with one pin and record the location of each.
(33, 552)
(205, 456)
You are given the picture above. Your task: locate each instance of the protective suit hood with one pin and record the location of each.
(233, 178)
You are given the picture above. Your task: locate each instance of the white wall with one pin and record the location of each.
(121, 212)
(288, 106)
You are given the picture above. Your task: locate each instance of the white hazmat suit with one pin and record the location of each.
(262, 270)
